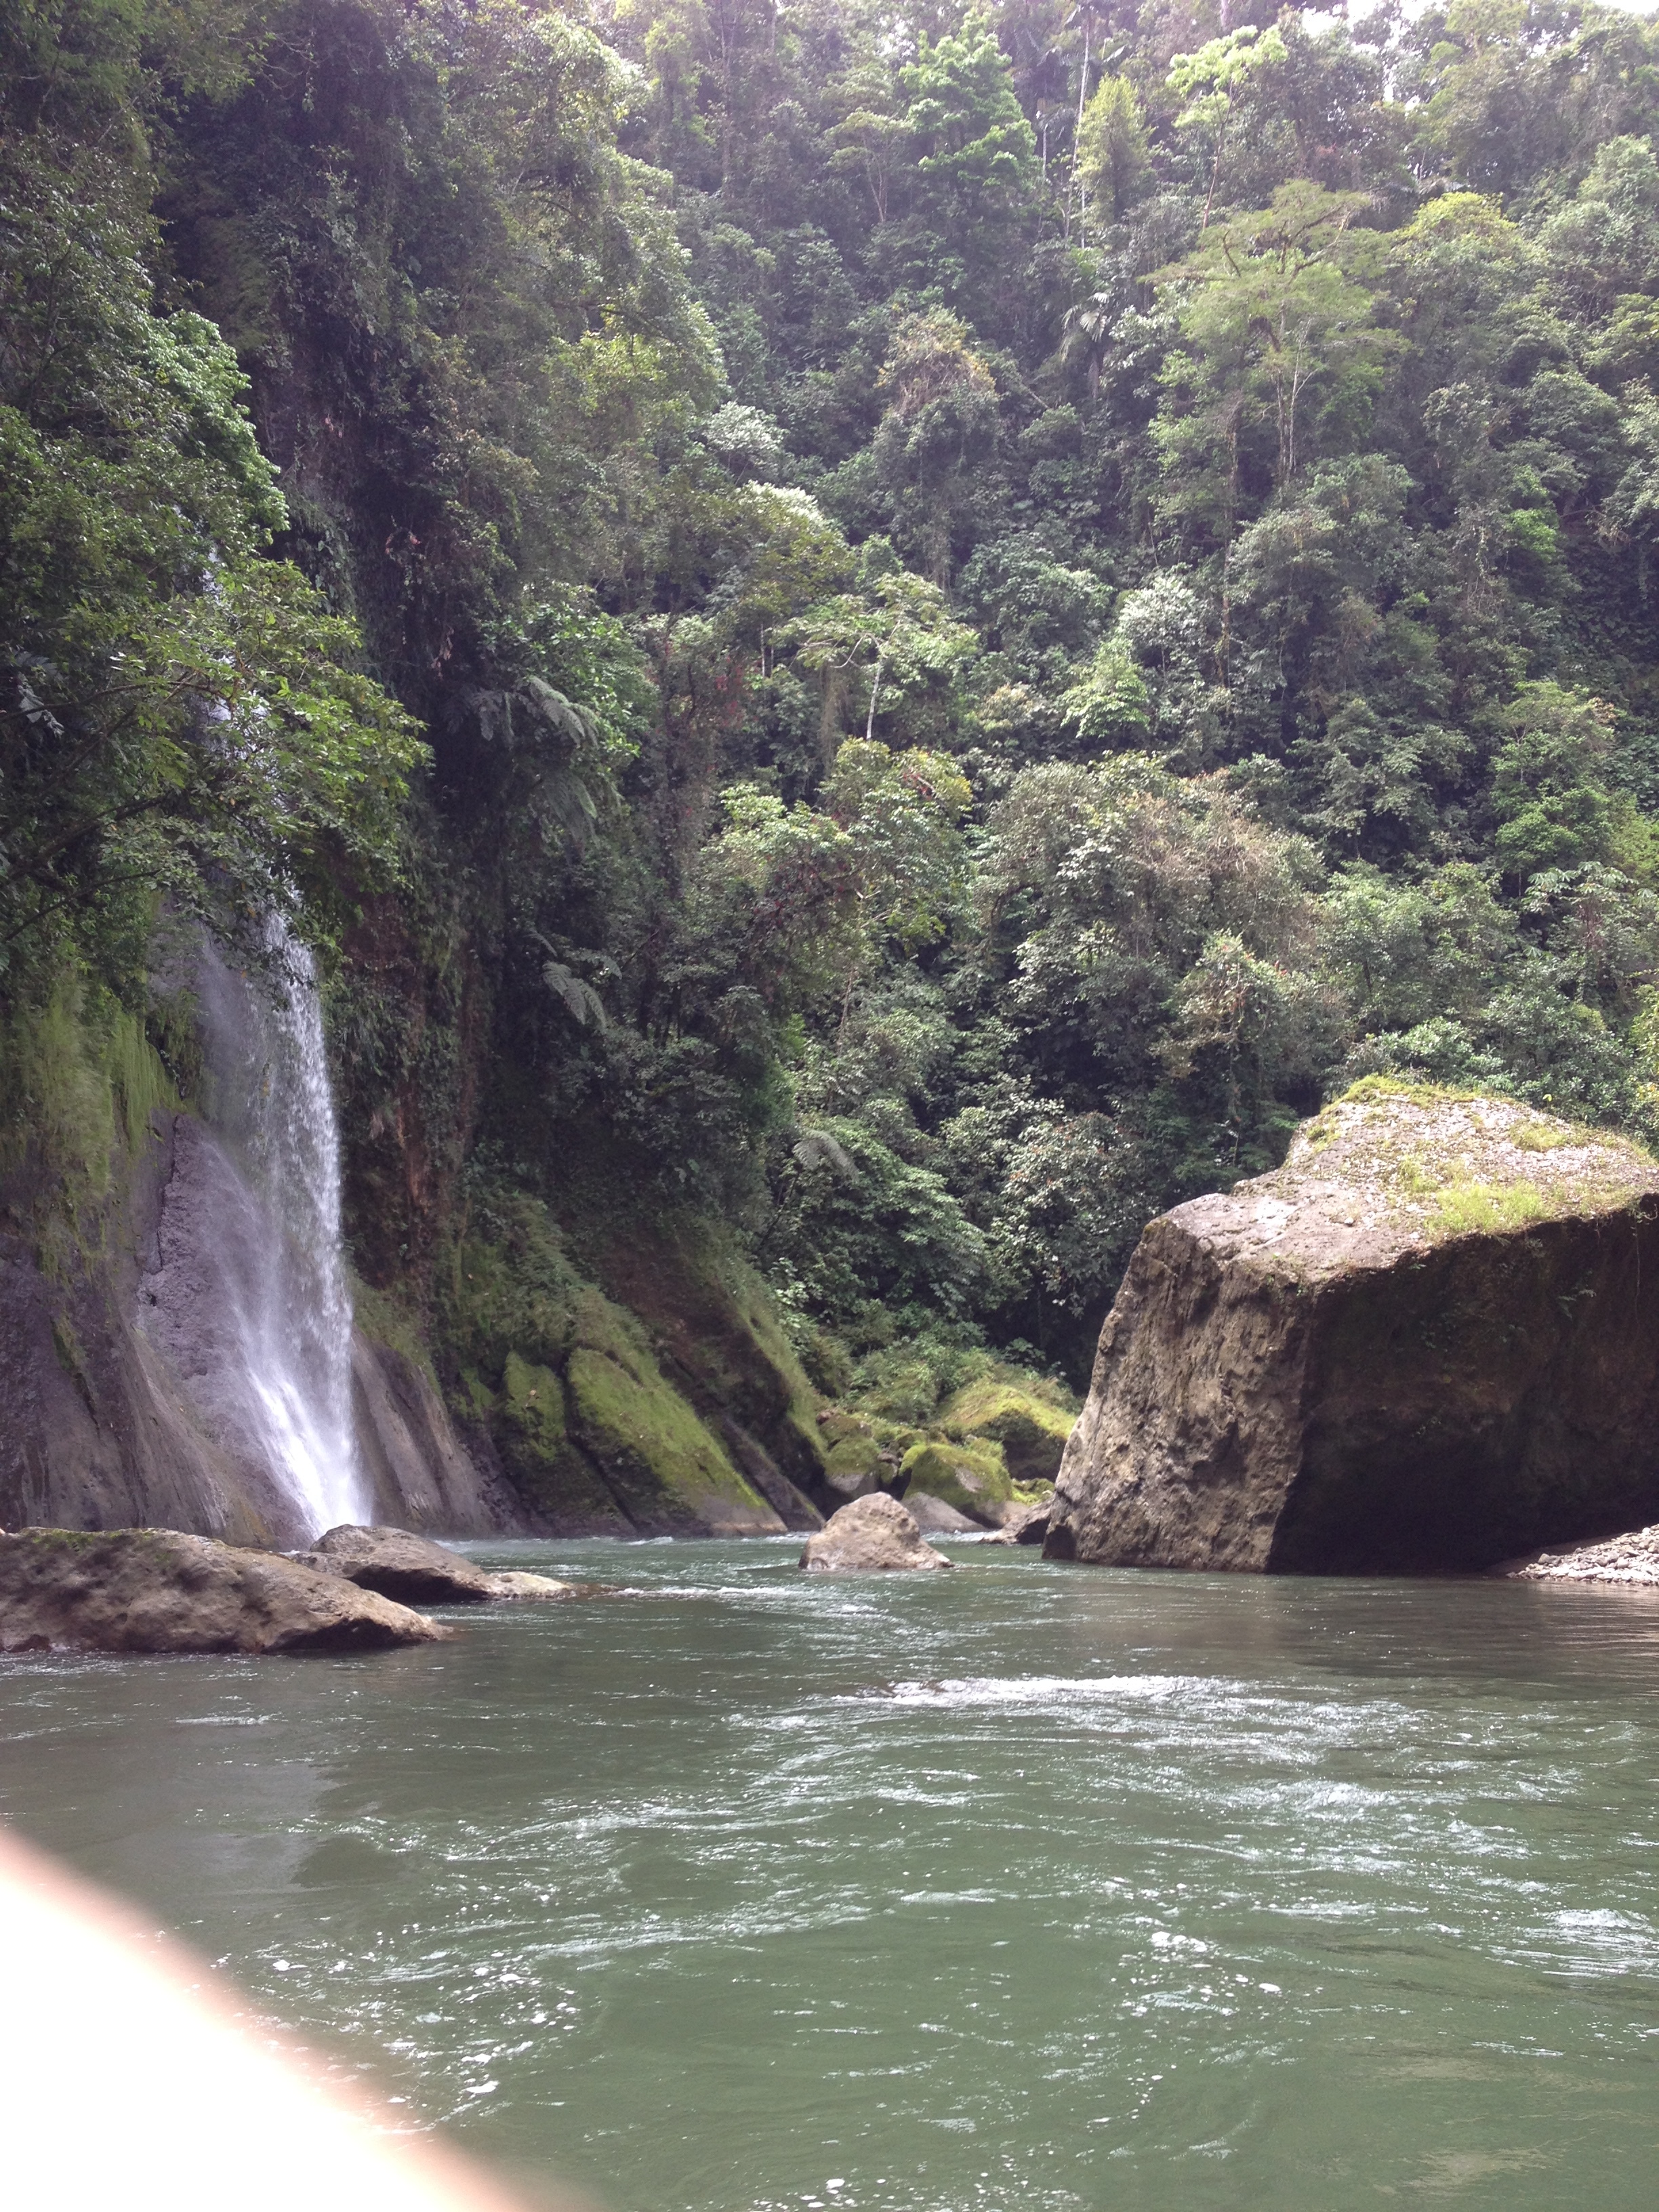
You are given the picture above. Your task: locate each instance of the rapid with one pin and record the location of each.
(1025, 1887)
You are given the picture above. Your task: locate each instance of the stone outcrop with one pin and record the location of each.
(870, 1535)
(156, 1589)
(1632, 1559)
(399, 1565)
(1430, 1341)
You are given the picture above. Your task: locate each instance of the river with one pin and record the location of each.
(1026, 1887)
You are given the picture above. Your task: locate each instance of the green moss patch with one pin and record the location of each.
(655, 1454)
(970, 1477)
(855, 1459)
(1030, 1419)
(1470, 1208)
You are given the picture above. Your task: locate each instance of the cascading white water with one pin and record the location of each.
(297, 1332)
(250, 1299)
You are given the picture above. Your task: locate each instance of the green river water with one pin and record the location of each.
(1026, 1887)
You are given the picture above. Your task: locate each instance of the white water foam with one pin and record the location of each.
(252, 1301)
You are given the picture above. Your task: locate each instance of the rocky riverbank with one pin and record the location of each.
(163, 1590)
(1632, 1559)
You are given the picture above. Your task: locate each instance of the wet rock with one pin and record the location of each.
(1430, 1341)
(1632, 1559)
(872, 1535)
(409, 1568)
(935, 1518)
(420, 1475)
(970, 1479)
(1027, 1524)
(514, 1583)
(156, 1589)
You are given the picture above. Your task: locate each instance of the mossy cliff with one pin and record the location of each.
(683, 1413)
(90, 1433)
(497, 1384)
(1431, 1341)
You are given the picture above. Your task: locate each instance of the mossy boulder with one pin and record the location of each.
(971, 1477)
(1030, 1421)
(1430, 1341)
(855, 1466)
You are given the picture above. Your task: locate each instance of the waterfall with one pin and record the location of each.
(250, 1299)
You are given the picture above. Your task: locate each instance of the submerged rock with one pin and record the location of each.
(1430, 1341)
(872, 1535)
(514, 1583)
(155, 1590)
(409, 1568)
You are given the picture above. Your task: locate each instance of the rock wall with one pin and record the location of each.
(101, 1420)
(1430, 1342)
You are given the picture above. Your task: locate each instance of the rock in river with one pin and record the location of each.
(872, 1535)
(155, 1590)
(513, 1582)
(1430, 1341)
(409, 1568)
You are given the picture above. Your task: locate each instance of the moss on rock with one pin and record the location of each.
(855, 1464)
(972, 1478)
(1029, 1417)
(1410, 1165)
(656, 1455)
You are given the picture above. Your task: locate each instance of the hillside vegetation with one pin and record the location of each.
(893, 637)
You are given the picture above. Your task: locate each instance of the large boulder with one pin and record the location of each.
(1430, 1341)
(872, 1535)
(155, 1590)
(412, 1569)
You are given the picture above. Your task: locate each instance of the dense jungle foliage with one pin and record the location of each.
(909, 626)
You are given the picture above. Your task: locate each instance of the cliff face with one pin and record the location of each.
(110, 1354)
(1430, 1341)
(122, 1392)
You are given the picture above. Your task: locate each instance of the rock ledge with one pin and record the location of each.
(1632, 1559)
